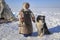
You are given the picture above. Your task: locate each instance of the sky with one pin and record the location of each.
(16, 5)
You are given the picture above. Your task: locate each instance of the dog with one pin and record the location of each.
(41, 26)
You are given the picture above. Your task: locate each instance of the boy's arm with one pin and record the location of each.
(33, 17)
(21, 16)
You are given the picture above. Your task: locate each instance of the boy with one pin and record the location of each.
(25, 23)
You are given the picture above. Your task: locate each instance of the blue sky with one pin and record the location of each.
(15, 5)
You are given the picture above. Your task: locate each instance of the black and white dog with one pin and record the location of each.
(41, 26)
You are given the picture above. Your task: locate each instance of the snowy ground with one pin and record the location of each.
(9, 31)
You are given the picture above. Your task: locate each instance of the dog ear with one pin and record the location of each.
(43, 18)
(38, 17)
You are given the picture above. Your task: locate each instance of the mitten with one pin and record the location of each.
(33, 19)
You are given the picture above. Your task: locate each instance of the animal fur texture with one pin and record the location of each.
(41, 26)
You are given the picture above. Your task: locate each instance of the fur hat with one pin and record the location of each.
(24, 4)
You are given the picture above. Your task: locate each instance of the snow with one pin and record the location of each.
(10, 31)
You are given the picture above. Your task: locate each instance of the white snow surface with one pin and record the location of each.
(10, 31)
